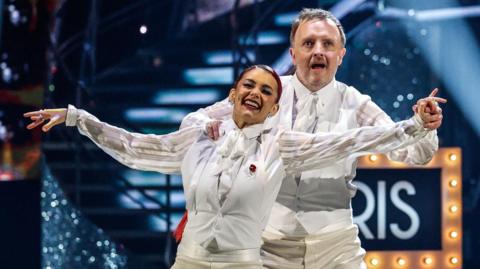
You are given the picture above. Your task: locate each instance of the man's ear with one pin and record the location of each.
(292, 56)
(342, 53)
(231, 95)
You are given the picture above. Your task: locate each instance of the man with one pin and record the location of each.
(311, 224)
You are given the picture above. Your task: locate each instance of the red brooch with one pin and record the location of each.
(252, 168)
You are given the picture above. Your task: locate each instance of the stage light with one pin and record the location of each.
(401, 261)
(427, 260)
(453, 208)
(453, 183)
(143, 29)
(209, 76)
(453, 234)
(453, 260)
(15, 17)
(374, 261)
(7, 74)
(156, 115)
(373, 158)
(452, 157)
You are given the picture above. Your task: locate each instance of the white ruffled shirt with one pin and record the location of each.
(231, 184)
(322, 195)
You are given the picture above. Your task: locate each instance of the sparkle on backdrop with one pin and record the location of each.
(384, 62)
(68, 239)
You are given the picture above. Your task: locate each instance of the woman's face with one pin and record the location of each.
(254, 98)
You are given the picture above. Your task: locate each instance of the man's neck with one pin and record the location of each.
(314, 88)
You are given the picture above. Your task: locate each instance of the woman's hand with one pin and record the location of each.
(55, 116)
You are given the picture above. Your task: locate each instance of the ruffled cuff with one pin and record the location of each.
(72, 116)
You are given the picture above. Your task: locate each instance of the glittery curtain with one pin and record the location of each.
(68, 239)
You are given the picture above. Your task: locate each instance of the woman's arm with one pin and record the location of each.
(304, 151)
(162, 153)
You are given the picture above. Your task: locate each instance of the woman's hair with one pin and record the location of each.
(267, 69)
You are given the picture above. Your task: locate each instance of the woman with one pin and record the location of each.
(230, 184)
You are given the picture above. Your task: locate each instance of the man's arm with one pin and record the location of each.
(209, 118)
(422, 151)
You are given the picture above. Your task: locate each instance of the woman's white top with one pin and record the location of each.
(231, 184)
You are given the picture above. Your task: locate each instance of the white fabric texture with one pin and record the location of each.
(233, 217)
(318, 199)
(302, 203)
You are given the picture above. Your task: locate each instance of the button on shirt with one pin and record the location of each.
(231, 184)
(321, 196)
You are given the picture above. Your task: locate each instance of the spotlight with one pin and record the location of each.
(143, 29)
(452, 157)
(373, 158)
(374, 261)
(7, 74)
(401, 261)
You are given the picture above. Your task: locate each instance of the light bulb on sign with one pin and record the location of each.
(453, 260)
(453, 208)
(453, 183)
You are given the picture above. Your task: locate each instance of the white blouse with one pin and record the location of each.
(310, 201)
(231, 184)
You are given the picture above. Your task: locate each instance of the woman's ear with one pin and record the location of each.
(274, 109)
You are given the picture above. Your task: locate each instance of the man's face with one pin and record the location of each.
(317, 52)
(254, 97)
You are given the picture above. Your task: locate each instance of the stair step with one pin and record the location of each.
(128, 211)
(106, 188)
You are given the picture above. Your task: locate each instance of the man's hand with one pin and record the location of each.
(429, 111)
(213, 129)
(55, 117)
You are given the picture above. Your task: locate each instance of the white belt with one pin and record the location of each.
(194, 251)
(314, 222)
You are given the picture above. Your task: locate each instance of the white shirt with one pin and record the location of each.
(231, 215)
(322, 196)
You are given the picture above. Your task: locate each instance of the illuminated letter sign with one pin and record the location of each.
(410, 216)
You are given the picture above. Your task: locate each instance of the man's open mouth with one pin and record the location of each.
(318, 66)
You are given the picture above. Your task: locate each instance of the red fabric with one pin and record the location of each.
(178, 233)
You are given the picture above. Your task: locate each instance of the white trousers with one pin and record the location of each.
(332, 249)
(193, 256)
(182, 262)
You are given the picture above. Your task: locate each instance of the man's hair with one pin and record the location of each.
(310, 14)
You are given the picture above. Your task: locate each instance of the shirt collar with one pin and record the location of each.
(250, 132)
(325, 94)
